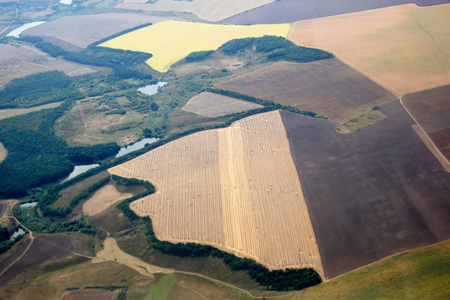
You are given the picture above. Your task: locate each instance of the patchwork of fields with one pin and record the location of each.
(214, 105)
(173, 40)
(230, 188)
(402, 48)
(327, 87)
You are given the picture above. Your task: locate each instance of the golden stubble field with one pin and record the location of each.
(235, 188)
(403, 48)
(211, 10)
(102, 199)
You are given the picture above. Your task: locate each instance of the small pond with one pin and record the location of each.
(16, 32)
(136, 146)
(29, 204)
(151, 89)
(80, 170)
(16, 233)
(67, 2)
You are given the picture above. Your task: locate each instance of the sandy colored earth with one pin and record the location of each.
(102, 199)
(214, 105)
(7, 113)
(235, 188)
(3, 152)
(211, 10)
(20, 61)
(86, 29)
(403, 48)
(112, 252)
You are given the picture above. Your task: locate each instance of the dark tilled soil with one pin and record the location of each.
(428, 103)
(90, 295)
(372, 193)
(441, 139)
(288, 11)
(43, 250)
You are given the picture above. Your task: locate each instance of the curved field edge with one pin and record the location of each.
(3, 152)
(182, 38)
(421, 273)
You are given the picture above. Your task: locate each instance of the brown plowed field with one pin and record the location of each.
(328, 87)
(402, 48)
(235, 188)
(288, 11)
(87, 29)
(102, 199)
(90, 295)
(42, 250)
(372, 193)
(441, 139)
(209, 104)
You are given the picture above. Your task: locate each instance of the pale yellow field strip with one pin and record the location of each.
(403, 48)
(213, 105)
(211, 10)
(12, 112)
(235, 188)
(112, 252)
(173, 40)
(102, 199)
(3, 152)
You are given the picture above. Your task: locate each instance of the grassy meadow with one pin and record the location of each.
(173, 40)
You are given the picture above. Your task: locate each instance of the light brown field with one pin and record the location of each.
(3, 152)
(102, 199)
(7, 113)
(403, 48)
(87, 29)
(211, 10)
(112, 252)
(236, 189)
(20, 61)
(214, 105)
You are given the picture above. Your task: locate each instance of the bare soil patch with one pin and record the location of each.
(437, 152)
(288, 11)
(102, 199)
(90, 295)
(372, 193)
(23, 60)
(87, 29)
(441, 139)
(7, 113)
(428, 103)
(42, 250)
(3, 152)
(402, 48)
(211, 10)
(235, 188)
(213, 105)
(328, 87)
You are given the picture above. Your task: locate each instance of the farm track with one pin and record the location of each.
(224, 187)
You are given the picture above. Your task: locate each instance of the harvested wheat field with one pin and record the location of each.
(327, 87)
(24, 60)
(211, 105)
(3, 152)
(211, 10)
(12, 112)
(173, 40)
(86, 29)
(236, 189)
(102, 199)
(403, 48)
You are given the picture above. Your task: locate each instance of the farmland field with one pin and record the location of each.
(287, 11)
(173, 40)
(22, 60)
(441, 139)
(90, 295)
(102, 199)
(402, 48)
(372, 193)
(3, 152)
(42, 250)
(211, 10)
(213, 105)
(225, 188)
(7, 113)
(328, 87)
(83, 30)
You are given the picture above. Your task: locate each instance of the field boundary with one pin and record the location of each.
(423, 135)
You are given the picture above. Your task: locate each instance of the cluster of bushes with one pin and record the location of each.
(5, 238)
(275, 48)
(29, 217)
(38, 89)
(199, 56)
(279, 280)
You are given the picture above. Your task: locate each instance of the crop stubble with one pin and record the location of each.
(236, 189)
(214, 105)
(102, 199)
